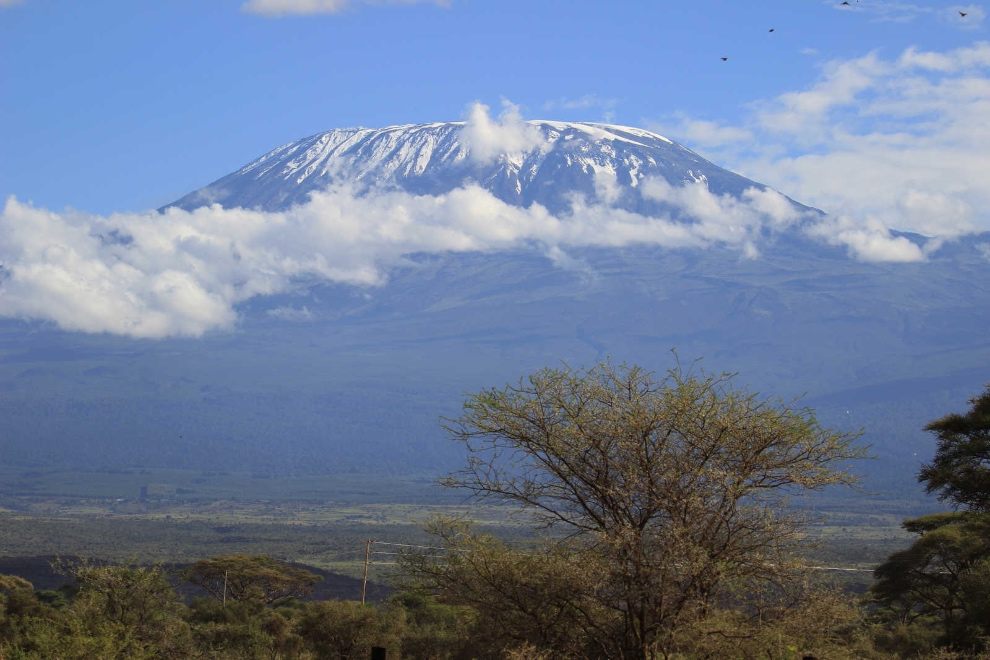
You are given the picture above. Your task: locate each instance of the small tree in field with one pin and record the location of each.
(254, 578)
(667, 493)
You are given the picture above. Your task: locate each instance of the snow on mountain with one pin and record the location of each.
(594, 160)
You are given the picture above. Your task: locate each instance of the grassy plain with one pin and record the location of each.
(150, 515)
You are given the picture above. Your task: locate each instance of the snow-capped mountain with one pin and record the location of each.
(330, 376)
(559, 160)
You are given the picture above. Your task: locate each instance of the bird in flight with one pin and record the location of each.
(771, 29)
(844, 3)
(963, 14)
(725, 59)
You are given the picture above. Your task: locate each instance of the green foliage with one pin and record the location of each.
(244, 629)
(124, 612)
(435, 630)
(117, 612)
(348, 629)
(251, 578)
(942, 579)
(960, 472)
(805, 620)
(936, 593)
(543, 598)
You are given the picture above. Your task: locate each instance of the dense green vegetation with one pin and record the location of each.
(133, 612)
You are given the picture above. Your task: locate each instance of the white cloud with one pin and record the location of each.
(487, 138)
(800, 113)
(183, 273)
(898, 142)
(726, 218)
(867, 240)
(310, 7)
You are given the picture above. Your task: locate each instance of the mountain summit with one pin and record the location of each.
(544, 162)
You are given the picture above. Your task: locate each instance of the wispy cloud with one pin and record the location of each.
(896, 142)
(701, 132)
(294, 314)
(311, 7)
(603, 105)
(964, 16)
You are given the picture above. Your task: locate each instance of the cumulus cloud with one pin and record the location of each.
(487, 138)
(897, 142)
(310, 7)
(183, 273)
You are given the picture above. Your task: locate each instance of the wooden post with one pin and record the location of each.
(225, 589)
(364, 578)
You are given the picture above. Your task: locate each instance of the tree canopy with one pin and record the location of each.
(960, 471)
(251, 577)
(669, 487)
(942, 582)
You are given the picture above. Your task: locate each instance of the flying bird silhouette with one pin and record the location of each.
(963, 14)
(771, 29)
(725, 59)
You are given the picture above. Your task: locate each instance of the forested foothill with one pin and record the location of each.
(651, 515)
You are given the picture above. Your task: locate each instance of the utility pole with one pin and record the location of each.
(364, 579)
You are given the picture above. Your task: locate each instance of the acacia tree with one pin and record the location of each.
(254, 578)
(960, 471)
(943, 579)
(668, 492)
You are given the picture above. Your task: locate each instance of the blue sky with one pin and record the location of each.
(114, 105)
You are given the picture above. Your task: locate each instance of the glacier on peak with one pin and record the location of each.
(567, 159)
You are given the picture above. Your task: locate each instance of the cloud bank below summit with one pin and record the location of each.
(182, 273)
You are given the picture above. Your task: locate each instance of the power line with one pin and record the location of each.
(410, 545)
